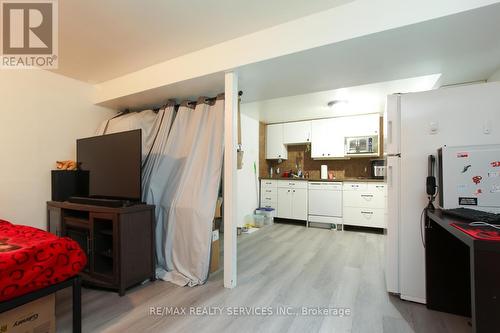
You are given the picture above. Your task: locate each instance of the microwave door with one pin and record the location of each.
(362, 145)
(353, 147)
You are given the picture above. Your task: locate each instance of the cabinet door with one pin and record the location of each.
(285, 203)
(297, 132)
(299, 204)
(327, 138)
(336, 134)
(54, 220)
(367, 124)
(275, 149)
(319, 138)
(104, 235)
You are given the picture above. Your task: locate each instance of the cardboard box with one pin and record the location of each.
(34, 317)
(215, 252)
(218, 208)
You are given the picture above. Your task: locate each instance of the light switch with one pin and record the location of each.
(433, 127)
(487, 127)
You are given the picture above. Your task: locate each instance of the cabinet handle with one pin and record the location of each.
(369, 213)
(323, 154)
(288, 191)
(279, 155)
(328, 154)
(268, 198)
(268, 191)
(291, 184)
(367, 195)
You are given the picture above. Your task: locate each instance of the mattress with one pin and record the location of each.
(31, 259)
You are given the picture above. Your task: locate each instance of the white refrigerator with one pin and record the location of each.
(416, 125)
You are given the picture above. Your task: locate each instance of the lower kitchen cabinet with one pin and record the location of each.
(364, 204)
(292, 200)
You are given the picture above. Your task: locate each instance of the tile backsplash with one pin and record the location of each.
(300, 155)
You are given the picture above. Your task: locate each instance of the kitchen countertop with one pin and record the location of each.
(346, 179)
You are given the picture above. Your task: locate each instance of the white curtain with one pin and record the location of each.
(181, 178)
(195, 147)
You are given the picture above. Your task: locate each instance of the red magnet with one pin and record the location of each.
(495, 164)
(477, 179)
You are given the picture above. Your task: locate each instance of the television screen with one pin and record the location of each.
(114, 164)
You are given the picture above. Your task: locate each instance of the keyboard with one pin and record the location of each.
(473, 215)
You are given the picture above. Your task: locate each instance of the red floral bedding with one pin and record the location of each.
(31, 259)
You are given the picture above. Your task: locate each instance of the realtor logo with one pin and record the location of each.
(29, 34)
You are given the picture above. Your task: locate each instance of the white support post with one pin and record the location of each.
(230, 132)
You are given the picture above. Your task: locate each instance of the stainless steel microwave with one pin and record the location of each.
(361, 145)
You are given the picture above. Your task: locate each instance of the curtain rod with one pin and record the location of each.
(211, 99)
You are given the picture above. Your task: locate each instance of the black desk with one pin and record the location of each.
(462, 273)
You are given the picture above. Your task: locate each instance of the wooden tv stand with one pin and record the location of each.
(119, 242)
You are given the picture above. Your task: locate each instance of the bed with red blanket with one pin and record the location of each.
(32, 259)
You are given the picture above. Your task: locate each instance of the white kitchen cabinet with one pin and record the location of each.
(364, 204)
(292, 199)
(275, 147)
(299, 204)
(297, 132)
(362, 125)
(285, 203)
(269, 193)
(327, 138)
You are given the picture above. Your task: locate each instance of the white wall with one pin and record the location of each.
(247, 179)
(41, 116)
(495, 76)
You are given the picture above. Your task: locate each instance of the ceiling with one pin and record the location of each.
(102, 40)
(370, 98)
(462, 47)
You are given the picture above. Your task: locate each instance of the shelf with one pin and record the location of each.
(107, 232)
(76, 222)
(107, 254)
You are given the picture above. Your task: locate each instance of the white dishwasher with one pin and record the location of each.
(325, 203)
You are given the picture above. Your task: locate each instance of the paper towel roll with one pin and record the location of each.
(324, 171)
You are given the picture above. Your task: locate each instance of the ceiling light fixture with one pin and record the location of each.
(336, 101)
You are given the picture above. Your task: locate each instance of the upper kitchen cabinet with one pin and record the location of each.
(327, 138)
(275, 147)
(363, 125)
(297, 132)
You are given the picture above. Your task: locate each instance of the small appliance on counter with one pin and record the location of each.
(324, 171)
(378, 169)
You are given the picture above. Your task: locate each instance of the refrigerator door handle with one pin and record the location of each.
(389, 132)
(389, 175)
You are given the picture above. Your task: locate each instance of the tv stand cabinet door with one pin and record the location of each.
(54, 220)
(104, 231)
(136, 247)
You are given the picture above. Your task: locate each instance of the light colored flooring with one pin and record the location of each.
(281, 265)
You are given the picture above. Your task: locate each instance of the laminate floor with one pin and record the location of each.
(283, 266)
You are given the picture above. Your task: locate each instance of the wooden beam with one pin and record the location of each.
(230, 132)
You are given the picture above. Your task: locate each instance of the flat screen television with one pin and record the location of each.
(113, 162)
